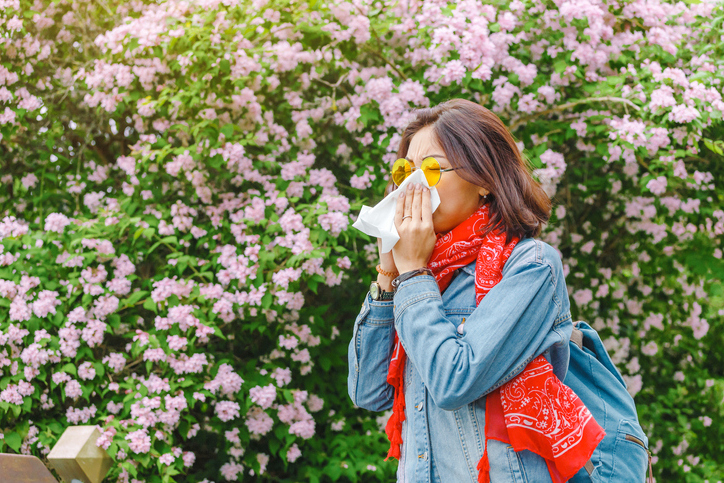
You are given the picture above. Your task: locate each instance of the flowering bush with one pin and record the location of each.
(179, 179)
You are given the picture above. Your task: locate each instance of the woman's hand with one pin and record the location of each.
(417, 234)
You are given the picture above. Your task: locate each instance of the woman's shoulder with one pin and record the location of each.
(534, 250)
(529, 251)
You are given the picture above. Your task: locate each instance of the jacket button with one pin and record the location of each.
(422, 456)
(418, 406)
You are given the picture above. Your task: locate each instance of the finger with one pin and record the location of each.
(417, 204)
(399, 208)
(408, 199)
(426, 207)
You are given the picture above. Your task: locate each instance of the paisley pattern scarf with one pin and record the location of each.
(533, 411)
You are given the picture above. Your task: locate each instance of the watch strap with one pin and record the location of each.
(375, 288)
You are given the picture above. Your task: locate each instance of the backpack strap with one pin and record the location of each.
(577, 338)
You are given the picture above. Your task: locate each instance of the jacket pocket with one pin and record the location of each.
(526, 467)
(583, 475)
(630, 454)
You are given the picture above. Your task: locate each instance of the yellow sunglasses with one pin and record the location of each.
(430, 168)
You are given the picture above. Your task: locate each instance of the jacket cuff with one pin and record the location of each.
(413, 290)
(380, 311)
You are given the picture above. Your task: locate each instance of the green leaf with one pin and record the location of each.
(149, 304)
(69, 368)
(266, 300)
(167, 240)
(13, 440)
(312, 284)
(274, 445)
(135, 297)
(228, 130)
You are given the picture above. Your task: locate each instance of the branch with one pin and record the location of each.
(386, 61)
(569, 105)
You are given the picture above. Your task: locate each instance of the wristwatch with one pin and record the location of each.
(377, 293)
(407, 275)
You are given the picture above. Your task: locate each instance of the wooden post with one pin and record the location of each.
(76, 457)
(20, 468)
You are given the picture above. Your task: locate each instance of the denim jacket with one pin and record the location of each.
(456, 354)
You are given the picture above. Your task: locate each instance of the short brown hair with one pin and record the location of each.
(475, 139)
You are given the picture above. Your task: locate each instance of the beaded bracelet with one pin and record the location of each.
(386, 274)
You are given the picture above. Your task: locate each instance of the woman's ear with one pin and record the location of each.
(483, 192)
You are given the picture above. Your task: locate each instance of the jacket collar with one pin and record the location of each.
(469, 268)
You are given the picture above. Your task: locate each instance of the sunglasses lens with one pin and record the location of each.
(400, 170)
(431, 168)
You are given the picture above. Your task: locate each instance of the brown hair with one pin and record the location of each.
(475, 139)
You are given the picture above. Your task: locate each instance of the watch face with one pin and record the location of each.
(375, 291)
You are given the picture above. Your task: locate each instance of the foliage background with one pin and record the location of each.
(178, 181)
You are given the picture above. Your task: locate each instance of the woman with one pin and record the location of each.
(477, 300)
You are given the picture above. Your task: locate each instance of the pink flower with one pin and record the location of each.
(633, 384)
(140, 441)
(86, 371)
(301, 356)
(288, 342)
(304, 429)
(582, 297)
(11, 395)
(683, 114)
(80, 415)
(700, 327)
(657, 185)
(263, 460)
(19, 310)
(453, 72)
(30, 180)
(293, 453)
(114, 408)
(258, 421)
(230, 471)
(228, 381)
(263, 396)
(116, 361)
(315, 403)
(227, 410)
(154, 355)
(285, 276)
(59, 377)
(56, 222)
(650, 349)
(73, 389)
(335, 222)
(188, 458)
(588, 247)
(106, 438)
(282, 376)
(176, 342)
(167, 459)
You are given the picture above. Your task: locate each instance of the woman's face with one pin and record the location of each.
(458, 198)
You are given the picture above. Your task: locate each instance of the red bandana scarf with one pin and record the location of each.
(535, 410)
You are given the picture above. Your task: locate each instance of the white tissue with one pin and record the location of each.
(380, 220)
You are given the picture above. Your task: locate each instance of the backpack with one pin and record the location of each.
(622, 455)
